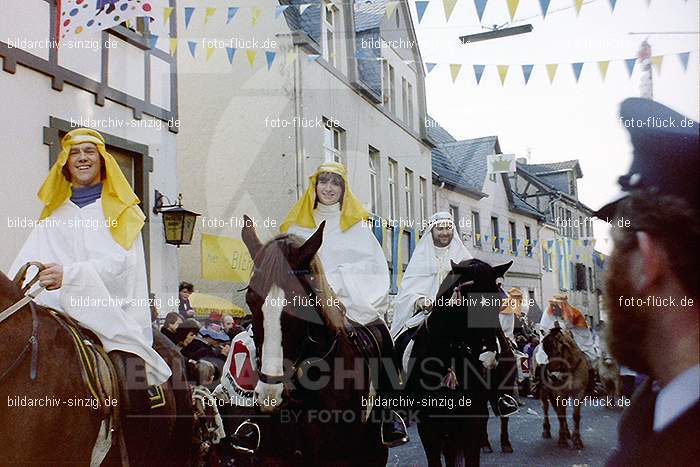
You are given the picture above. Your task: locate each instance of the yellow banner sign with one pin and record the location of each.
(225, 259)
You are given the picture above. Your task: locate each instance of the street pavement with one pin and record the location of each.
(598, 432)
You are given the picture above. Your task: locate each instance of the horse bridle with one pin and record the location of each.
(302, 359)
(33, 342)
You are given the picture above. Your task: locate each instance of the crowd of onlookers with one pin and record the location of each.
(205, 346)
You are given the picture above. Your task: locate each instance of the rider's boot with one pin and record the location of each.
(137, 396)
(393, 429)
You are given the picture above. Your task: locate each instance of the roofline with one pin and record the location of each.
(564, 196)
(465, 191)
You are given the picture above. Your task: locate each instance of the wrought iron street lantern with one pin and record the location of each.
(178, 223)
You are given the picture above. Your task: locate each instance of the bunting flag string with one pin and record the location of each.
(552, 68)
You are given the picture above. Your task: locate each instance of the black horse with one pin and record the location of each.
(447, 373)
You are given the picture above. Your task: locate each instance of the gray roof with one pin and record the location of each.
(309, 22)
(436, 133)
(523, 205)
(369, 14)
(551, 167)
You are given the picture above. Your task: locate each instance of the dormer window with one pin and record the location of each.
(330, 14)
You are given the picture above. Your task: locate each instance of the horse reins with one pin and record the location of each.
(32, 344)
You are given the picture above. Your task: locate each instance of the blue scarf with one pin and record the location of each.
(88, 195)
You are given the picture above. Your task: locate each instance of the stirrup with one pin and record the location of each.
(507, 405)
(236, 433)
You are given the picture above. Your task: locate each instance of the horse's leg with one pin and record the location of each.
(546, 428)
(432, 443)
(505, 439)
(578, 443)
(564, 435)
(485, 445)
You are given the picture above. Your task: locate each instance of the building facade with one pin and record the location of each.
(114, 81)
(323, 81)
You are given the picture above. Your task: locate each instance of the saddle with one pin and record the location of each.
(370, 339)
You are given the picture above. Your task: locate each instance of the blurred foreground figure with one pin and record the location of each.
(652, 287)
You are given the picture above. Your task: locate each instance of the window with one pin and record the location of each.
(492, 177)
(588, 227)
(404, 99)
(373, 181)
(398, 20)
(454, 211)
(580, 277)
(580, 226)
(531, 296)
(332, 142)
(422, 188)
(408, 192)
(568, 228)
(392, 84)
(476, 230)
(513, 237)
(393, 189)
(328, 31)
(572, 184)
(409, 93)
(528, 241)
(591, 285)
(494, 232)
(386, 90)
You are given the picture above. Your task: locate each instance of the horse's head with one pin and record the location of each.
(292, 309)
(474, 286)
(560, 347)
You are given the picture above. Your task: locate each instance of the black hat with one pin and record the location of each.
(665, 158)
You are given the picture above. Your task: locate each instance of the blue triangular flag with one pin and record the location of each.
(153, 39)
(270, 57)
(577, 69)
(480, 7)
(192, 45)
(231, 13)
(478, 71)
(612, 5)
(544, 6)
(630, 65)
(230, 51)
(420, 9)
(550, 243)
(527, 71)
(585, 243)
(280, 9)
(683, 56)
(430, 66)
(189, 10)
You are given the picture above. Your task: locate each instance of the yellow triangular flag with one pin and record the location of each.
(209, 11)
(390, 8)
(173, 45)
(449, 6)
(603, 67)
(657, 60)
(512, 8)
(167, 11)
(578, 4)
(551, 71)
(502, 72)
(256, 14)
(210, 52)
(251, 55)
(454, 71)
(290, 57)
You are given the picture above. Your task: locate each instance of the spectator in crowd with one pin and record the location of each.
(213, 321)
(185, 309)
(172, 321)
(186, 333)
(220, 347)
(230, 326)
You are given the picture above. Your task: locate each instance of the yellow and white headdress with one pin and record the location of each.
(119, 202)
(351, 210)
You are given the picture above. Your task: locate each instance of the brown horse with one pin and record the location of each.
(564, 382)
(312, 373)
(51, 416)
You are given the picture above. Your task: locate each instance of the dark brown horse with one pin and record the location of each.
(313, 375)
(564, 382)
(50, 416)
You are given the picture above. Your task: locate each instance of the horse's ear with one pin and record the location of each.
(311, 246)
(453, 265)
(500, 270)
(250, 237)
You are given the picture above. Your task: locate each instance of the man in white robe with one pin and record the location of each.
(428, 267)
(96, 271)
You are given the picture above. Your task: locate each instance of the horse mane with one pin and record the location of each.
(565, 340)
(7, 286)
(274, 268)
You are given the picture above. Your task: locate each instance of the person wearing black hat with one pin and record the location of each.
(652, 287)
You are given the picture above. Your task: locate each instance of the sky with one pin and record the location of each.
(564, 120)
